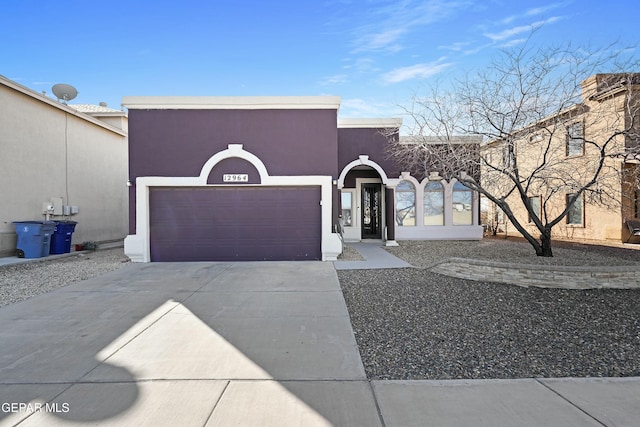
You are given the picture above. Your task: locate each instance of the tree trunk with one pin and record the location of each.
(545, 244)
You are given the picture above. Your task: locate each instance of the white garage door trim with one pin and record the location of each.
(137, 246)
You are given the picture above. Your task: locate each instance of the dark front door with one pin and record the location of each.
(371, 211)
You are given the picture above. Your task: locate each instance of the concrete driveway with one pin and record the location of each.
(255, 344)
(186, 344)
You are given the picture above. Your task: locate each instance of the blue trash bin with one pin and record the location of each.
(34, 238)
(61, 237)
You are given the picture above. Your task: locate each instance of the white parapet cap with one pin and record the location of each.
(369, 123)
(435, 140)
(231, 102)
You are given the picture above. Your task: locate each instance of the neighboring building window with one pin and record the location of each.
(506, 156)
(575, 140)
(535, 206)
(433, 203)
(575, 214)
(500, 215)
(405, 204)
(536, 137)
(462, 198)
(347, 208)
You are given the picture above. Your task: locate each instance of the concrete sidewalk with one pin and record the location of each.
(255, 344)
(374, 257)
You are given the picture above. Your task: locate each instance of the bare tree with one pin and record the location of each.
(551, 125)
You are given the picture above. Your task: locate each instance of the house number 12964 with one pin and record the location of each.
(235, 177)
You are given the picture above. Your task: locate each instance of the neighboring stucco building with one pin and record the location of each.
(569, 145)
(55, 154)
(264, 178)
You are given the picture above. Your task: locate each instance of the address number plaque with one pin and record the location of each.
(235, 177)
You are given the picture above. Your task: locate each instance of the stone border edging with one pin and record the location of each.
(543, 276)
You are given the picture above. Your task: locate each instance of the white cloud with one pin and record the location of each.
(357, 107)
(466, 48)
(477, 49)
(505, 34)
(385, 39)
(415, 71)
(513, 42)
(511, 32)
(535, 11)
(456, 47)
(361, 65)
(389, 24)
(335, 79)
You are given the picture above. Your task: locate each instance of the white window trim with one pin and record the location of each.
(418, 200)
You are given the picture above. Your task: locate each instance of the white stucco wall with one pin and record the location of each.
(49, 150)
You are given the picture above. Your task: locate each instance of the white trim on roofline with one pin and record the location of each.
(231, 102)
(369, 123)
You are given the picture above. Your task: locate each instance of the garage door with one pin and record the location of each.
(235, 223)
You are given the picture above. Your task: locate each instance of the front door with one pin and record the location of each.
(371, 211)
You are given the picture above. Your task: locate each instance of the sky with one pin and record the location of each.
(374, 54)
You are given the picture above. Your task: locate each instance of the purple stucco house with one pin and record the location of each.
(272, 178)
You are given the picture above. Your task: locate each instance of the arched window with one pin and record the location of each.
(433, 203)
(405, 204)
(462, 200)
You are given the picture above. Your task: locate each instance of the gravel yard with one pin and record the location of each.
(414, 324)
(21, 281)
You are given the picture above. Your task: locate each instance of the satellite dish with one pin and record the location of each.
(64, 92)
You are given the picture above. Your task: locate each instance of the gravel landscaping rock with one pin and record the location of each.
(21, 281)
(414, 324)
(350, 254)
(425, 253)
